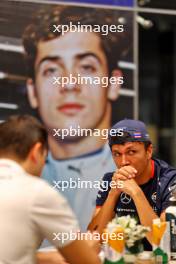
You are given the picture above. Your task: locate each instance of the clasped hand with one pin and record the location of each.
(126, 175)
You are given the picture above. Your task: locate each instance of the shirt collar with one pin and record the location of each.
(91, 155)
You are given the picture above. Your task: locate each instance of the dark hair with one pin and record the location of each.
(41, 29)
(145, 143)
(18, 135)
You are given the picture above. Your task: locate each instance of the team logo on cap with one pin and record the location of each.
(137, 135)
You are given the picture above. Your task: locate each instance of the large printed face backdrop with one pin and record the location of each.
(104, 50)
(14, 17)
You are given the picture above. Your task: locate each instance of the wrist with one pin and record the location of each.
(114, 194)
(136, 193)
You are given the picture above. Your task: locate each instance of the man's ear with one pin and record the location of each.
(150, 151)
(35, 151)
(113, 89)
(31, 93)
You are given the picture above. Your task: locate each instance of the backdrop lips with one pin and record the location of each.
(70, 108)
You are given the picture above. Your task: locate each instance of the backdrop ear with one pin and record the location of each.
(31, 93)
(114, 88)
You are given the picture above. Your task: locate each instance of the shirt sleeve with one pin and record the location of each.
(52, 215)
(167, 192)
(104, 189)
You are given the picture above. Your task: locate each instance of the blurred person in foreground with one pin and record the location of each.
(52, 54)
(146, 181)
(30, 209)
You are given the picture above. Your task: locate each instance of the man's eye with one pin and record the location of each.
(50, 71)
(115, 154)
(87, 68)
(131, 152)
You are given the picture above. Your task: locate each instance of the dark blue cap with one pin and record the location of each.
(128, 130)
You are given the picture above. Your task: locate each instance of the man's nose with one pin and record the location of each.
(124, 160)
(70, 82)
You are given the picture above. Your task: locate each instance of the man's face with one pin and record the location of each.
(133, 154)
(85, 105)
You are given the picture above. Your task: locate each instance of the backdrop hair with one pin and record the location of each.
(115, 45)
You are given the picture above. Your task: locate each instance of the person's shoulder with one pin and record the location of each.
(164, 170)
(39, 186)
(108, 176)
(163, 166)
(44, 196)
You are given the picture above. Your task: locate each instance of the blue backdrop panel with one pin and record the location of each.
(105, 2)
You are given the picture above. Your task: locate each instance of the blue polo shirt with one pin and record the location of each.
(87, 168)
(156, 191)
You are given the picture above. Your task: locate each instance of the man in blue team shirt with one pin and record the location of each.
(146, 184)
